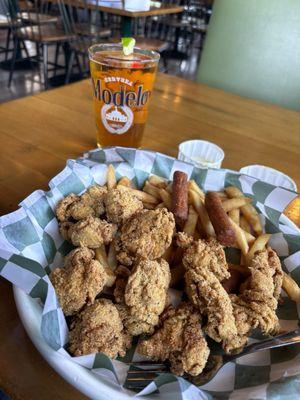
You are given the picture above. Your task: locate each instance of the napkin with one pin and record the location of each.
(31, 246)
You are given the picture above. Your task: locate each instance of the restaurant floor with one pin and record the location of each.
(26, 82)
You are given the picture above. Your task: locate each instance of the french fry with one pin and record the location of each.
(111, 177)
(250, 238)
(234, 203)
(232, 284)
(197, 233)
(169, 188)
(243, 260)
(258, 245)
(223, 196)
(160, 205)
(101, 256)
(150, 189)
(112, 257)
(144, 197)
(124, 181)
(192, 185)
(241, 268)
(235, 215)
(203, 216)
(166, 198)
(177, 274)
(240, 238)
(149, 206)
(248, 210)
(244, 224)
(191, 223)
(157, 181)
(291, 288)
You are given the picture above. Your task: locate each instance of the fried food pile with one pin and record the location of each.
(132, 246)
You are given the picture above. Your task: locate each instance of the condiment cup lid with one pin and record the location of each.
(270, 175)
(201, 153)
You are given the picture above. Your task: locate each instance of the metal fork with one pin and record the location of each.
(142, 373)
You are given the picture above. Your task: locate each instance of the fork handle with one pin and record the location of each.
(281, 340)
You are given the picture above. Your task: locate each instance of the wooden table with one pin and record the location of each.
(127, 16)
(39, 133)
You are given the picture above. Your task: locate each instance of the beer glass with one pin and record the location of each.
(122, 87)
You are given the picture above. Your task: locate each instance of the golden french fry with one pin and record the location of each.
(177, 274)
(150, 189)
(240, 238)
(144, 197)
(197, 233)
(149, 206)
(111, 177)
(236, 202)
(250, 238)
(112, 257)
(235, 215)
(201, 210)
(192, 185)
(191, 223)
(244, 224)
(258, 245)
(160, 205)
(166, 198)
(169, 188)
(248, 210)
(240, 268)
(157, 181)
(223, 196)
(243, 260)
(101, 256)
(124, 181)
(291, 287)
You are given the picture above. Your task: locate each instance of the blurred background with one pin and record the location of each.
(43, 44)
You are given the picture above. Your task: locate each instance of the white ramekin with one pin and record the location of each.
(201, 153)
(269, 175)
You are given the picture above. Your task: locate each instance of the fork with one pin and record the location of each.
(141, 373)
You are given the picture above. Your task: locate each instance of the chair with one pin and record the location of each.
(252, 48)
(85, 25)
(39, 28)
(4, 25)
(146, 31)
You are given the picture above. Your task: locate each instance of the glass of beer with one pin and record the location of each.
(122, 87)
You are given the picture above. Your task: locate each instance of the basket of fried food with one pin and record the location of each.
(131, 246)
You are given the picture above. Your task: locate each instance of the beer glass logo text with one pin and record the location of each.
(122, 97)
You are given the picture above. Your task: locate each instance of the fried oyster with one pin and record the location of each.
(180, 340)
(121, 204)
(256, 305)
(80, 281)
(146, 295)
(206, 267)
(89, 204)
(99, 328)
(147, 234)
(89, 232)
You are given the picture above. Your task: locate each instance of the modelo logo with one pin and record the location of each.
(121, 97)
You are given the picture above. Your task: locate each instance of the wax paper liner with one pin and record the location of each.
(31, 246)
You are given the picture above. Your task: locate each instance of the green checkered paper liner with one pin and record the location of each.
(31, 247)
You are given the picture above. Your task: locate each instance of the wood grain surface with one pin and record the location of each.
(39, 133)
